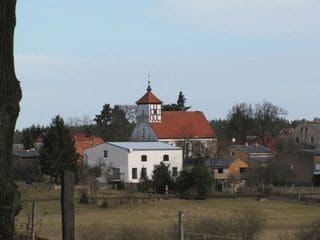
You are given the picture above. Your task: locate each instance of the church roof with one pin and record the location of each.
(149, 98)
(179, 124)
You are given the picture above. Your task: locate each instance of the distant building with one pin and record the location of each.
(83, 141)
(131, 161)
(307, 132)
(254, 155)
(26, 165)
(228, 173)
(185, 129)
(307, 169)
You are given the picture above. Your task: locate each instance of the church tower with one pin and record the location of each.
(149, 107)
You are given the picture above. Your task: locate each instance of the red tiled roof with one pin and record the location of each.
(83, 141)
(149, 98)
(183, 125)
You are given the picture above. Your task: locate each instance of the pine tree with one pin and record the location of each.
(112, 124)
(58, 152)
(181, 102)
(179, 106)
(59, 160)
(10, 95)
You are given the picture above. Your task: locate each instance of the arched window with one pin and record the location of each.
(143, 158)
(166, 157)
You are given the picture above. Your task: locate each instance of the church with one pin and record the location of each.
(189, 130)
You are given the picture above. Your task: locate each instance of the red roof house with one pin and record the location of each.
(182, 125)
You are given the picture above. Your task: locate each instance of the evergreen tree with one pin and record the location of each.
(161, 178)
(112, 124)
(58, 152)
(181, 102)
(179, 106)
(59, 160)
(29, 135)
(241, 122)
(10, 96)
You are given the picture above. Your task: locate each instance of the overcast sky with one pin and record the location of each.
(73, 56)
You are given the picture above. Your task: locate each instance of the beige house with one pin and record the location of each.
(255, 156)
(307, 132)
(307, 170)
(228, 173)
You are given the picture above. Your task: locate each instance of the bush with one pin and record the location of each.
(161, 178)
(104, 204)
(198, 179)
(121, 185)
(245, 226)
(250, 224)
(309, 231)
(145, 185)
(84, 198)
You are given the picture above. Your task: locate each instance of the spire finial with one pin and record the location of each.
(149, 89)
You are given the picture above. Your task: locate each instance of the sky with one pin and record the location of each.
(74, 56)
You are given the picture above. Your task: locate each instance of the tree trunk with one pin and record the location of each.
(10, 95)
(67, 209)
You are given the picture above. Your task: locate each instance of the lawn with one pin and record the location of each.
(281, 216)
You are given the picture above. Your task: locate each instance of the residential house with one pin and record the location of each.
(189, 130)
(83, 141)
(228, 173)
(307, 169)
(307, 132)
(131, 161)
(254, 155)
(26, 165)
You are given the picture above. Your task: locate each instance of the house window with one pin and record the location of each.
(220, 170)
(143, 158)
(291, 167)
(166, 157)
(134, 173)
(297, 139)
(174, 171)
(312, 140)
(155, 112)
(243, 170)
(105, 153)
(143, 173)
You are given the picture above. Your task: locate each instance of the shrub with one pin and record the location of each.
(84, 198)
(121, 185)
(309, 231)
(144, 185)
(161, 178)
(245, 226)
(104, 204)
(250, 224)
(198, 179)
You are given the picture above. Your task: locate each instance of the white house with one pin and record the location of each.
(134, 160)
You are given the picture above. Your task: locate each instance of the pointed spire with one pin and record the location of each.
(149, 89)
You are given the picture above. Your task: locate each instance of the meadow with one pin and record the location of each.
(281, 217)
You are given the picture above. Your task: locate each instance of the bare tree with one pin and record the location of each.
(10, 96)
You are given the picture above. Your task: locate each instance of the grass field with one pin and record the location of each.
(280, 216)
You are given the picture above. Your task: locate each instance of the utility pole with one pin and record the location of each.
(180, 226)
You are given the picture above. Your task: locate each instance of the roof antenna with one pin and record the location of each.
(149, 89)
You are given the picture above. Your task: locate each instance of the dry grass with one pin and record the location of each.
(280, 216)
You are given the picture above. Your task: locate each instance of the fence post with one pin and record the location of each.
(180, 226)
(33, 221)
